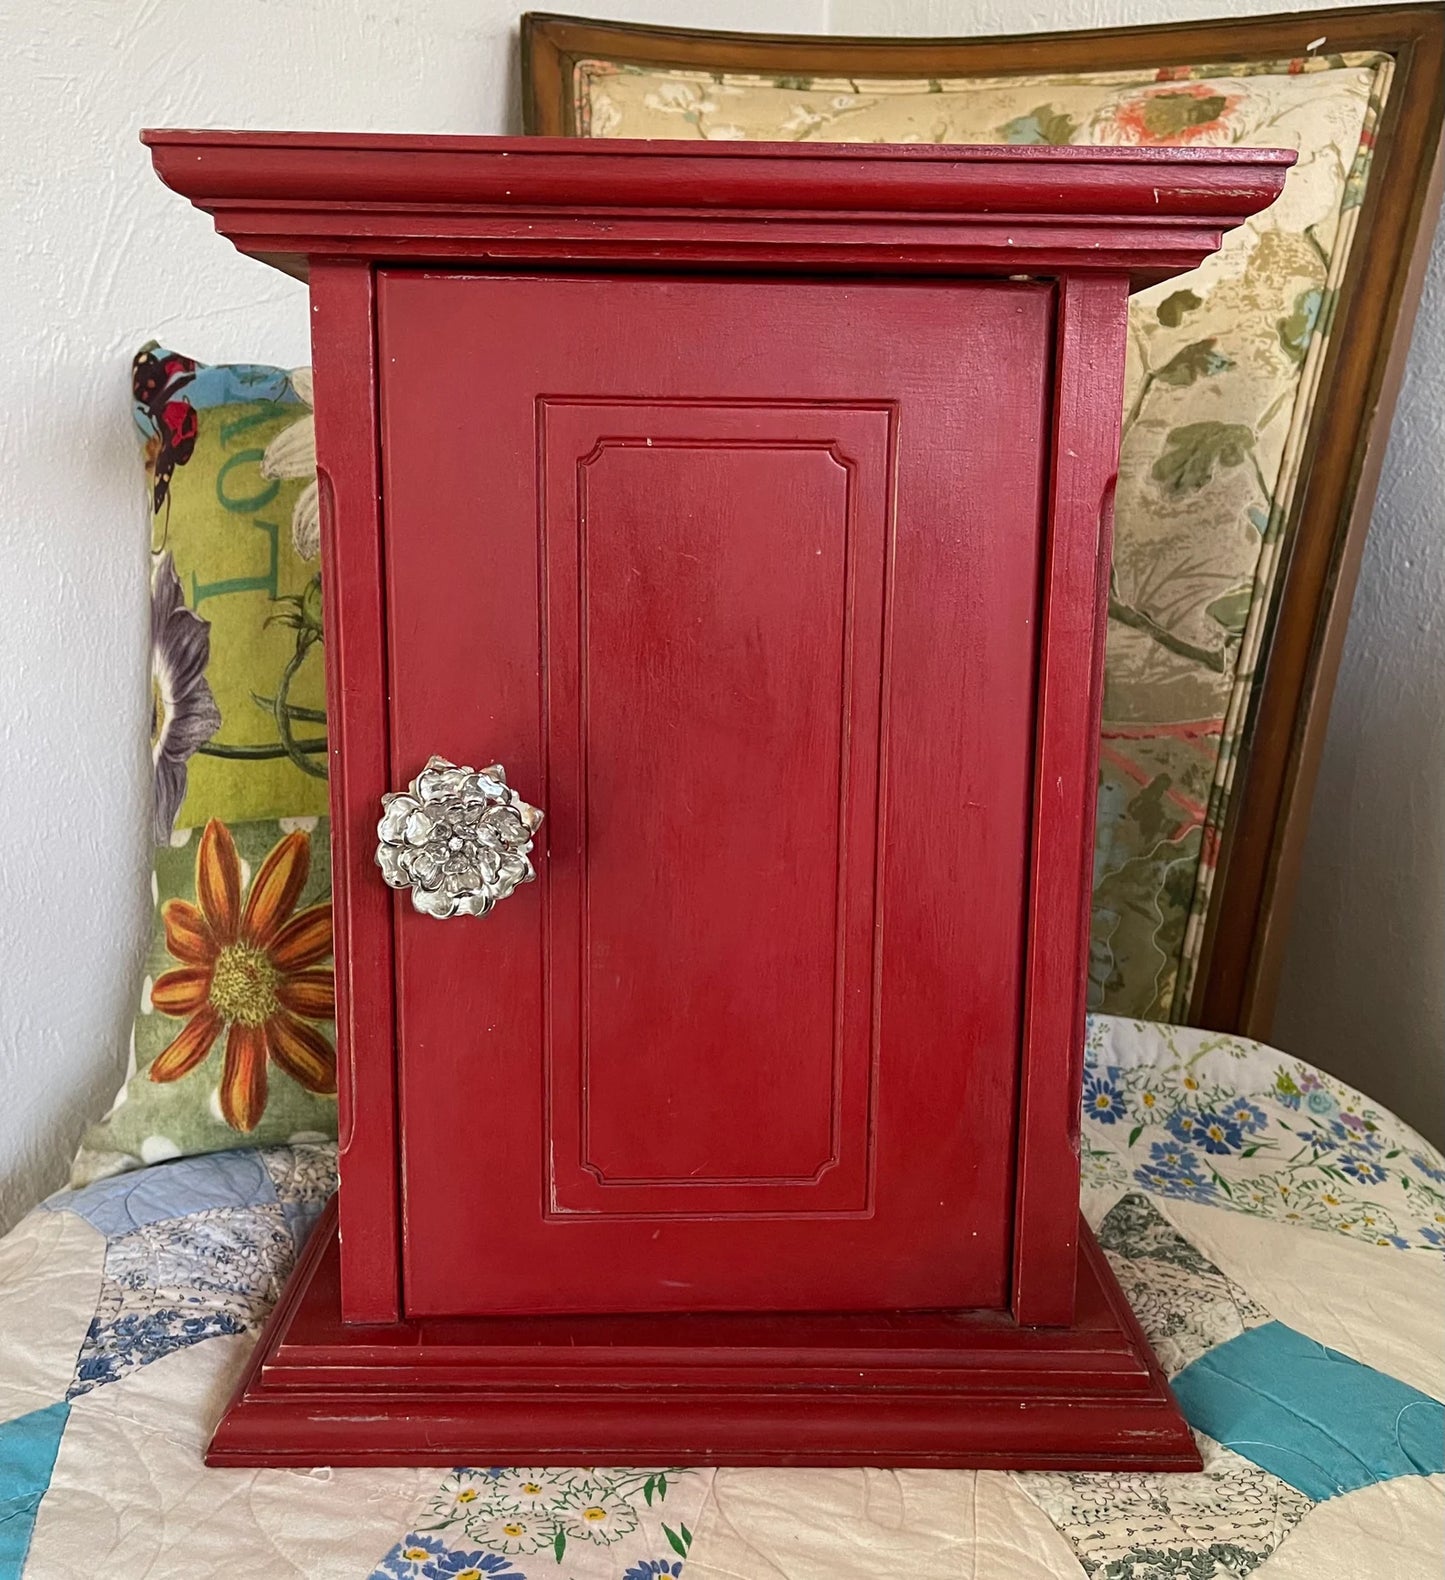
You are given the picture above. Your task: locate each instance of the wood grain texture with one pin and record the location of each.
(1088, 398)
(929, 1389)
(1248, 923)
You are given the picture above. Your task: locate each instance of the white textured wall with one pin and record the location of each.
(99, 257)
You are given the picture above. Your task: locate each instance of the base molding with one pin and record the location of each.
(945, 1389)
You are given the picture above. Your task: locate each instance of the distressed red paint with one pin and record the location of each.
(751, 504)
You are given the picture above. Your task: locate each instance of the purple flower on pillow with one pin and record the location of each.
(184, 715)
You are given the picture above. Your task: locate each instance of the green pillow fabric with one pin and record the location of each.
(233, 1044)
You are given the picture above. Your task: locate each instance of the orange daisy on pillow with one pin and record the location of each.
(249, 972)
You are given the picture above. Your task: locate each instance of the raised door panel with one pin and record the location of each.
(712, 691)
(739, 580)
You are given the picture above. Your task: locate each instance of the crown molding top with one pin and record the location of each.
(290, 197)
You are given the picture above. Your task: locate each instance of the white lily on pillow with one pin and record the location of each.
(292, 453)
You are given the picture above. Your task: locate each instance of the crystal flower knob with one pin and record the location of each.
(458, 838)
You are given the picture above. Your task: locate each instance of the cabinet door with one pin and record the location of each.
(739, 581)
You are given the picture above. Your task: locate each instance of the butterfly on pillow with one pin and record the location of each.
(156, 382)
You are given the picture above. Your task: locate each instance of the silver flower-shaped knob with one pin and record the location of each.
(458, 838)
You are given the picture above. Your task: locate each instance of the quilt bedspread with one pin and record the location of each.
(1280, 1238)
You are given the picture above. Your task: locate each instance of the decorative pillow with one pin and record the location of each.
(1223, 368)
(233, 1043)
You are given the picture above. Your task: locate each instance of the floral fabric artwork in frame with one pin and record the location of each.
(1223, 369)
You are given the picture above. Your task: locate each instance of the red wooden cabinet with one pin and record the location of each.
(750, 505)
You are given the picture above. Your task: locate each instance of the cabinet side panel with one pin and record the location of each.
(1088, 398)
(343, 312)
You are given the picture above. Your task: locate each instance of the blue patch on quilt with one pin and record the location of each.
(298, 1178)
(195, 1249)
(1315, 1418)
(28, 1446)
(170, 1190)
(171, 1284)
(304, 1177)
(113, 1349)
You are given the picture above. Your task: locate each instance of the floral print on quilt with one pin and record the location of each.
(1224, 1521)
(1223, 368)
(195, 1250)
(515, 1522)
(161, 1261)
(176, 1282)
(1221, 1522)
(1192, 1115)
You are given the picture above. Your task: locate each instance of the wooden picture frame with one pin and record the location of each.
(1324, 533)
